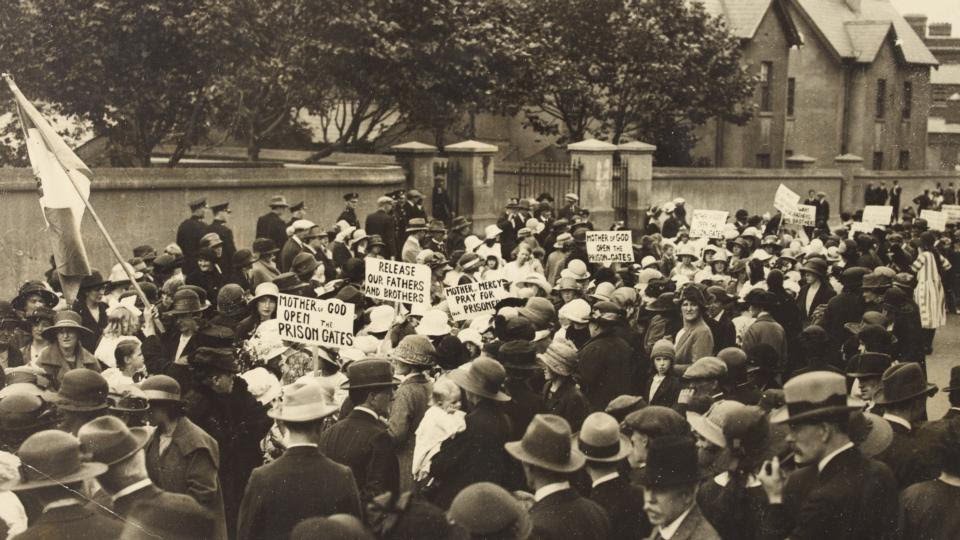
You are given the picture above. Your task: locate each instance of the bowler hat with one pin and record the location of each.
(110, 441)
(304, 402)
(64, 320)
(954, 384)
(23, 414)
(486, 510)
(372, 372)
(518, 354)
(264, 246)
(671, 462)
(903, 382)
(868, 364)
(48, 297)
(51, 458)
(600, 439)
(813, 395)
(185, 301)
(93, 280)
(161, 388)
(81, 390)
(482, 376)
(547, 444)
(211, 359)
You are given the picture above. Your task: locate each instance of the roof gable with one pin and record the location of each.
(743, 17)
(866, 37)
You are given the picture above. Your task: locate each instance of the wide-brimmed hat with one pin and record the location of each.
(265, 246)
(185, 302)
(66, 319)
(22, 414)
(51, 458)
(108, 440)
(93, 280)
(561, 357)
(536, 278)
(868, 364)
(303, 402)
(415, 350)
(304, 263)
(664, 302)
(482, 376)
(868, 318)
(814, 395)
(547, 444)
(174, 516)
(262, 384)
(671, 461)
(435, 322)
(81, 390)
(161, 388)
(381, 319)
(469, 261)
(42, 313)
(372, 372)
(600, 439)
(460, 222)
(491, 231)
(486, 510)
(48, 297)
(518, 354)
(902, 382)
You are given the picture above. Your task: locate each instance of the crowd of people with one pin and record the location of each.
(767, 384)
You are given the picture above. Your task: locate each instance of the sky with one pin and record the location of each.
(935, 10)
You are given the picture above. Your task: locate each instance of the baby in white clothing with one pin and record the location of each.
(443, 420)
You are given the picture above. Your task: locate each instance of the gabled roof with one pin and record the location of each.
(831, 18)
(743, 17)
(866, 37)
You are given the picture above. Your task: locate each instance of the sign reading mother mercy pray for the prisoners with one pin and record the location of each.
(315, 322)
(471, 300)
(708, 223)
(610, 246)
(396, 281)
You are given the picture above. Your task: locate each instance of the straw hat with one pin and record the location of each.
(262, 384)
(813, 395)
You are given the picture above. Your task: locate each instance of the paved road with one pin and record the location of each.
(946, 354)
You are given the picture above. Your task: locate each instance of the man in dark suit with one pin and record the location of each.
(510, 222)
(669, 479)
(272, 225)
(720, 319)
(384, 223)
(221, 212)
(519, 358)
(932, 432)
(295, 243)
(189, 233)
(931, 509)
(360, 440)
(903, 396)
(548, 458)
(52, 474)
(839, 493)
(302, 483)
(822, 206)
(605, 448)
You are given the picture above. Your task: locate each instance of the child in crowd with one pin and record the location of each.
(443, 420)
(663, 387)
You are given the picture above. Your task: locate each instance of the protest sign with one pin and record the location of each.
(877, 215)
(936, 221)
(708, 223)
(610, 246)
(858, 226)
(952, 211)
(802, 214)
(473, 299)
(397, 281)
(312, 321)
(785, 199)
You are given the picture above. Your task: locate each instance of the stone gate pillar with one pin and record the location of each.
(475, 161)
(638, 157)
(849, 166)
(596, 179)
(417, 160)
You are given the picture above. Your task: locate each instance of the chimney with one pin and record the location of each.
(854, 5)
(918, 23)
(940, 29)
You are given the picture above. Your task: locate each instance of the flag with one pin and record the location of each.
(54, 165)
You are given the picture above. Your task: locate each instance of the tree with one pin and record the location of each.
(139, 71)
(665, 67)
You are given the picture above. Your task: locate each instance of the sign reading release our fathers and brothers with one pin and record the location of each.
(610, 246)
(312, 321)
(397, 281)
(471, 300)
(708, 223)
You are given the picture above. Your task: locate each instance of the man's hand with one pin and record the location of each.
(772, 479)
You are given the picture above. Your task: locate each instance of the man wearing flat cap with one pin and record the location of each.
(549, 459)
(839, 493)
(221, 213)
(272, 225)
(303, 482)
(190, 231)
(360, 439)
(383, 222)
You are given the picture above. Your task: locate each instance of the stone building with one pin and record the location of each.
(943, 126)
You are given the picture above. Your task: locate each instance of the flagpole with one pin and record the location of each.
(93, 213)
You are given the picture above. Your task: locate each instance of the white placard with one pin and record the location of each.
(877, 215)
(610, 246)
(952, 211)
(858, 226)
(785, 199)
(397, 281)
(936, 221)
(315, 322)
(469, 301)
(708, 223)
(803, 214)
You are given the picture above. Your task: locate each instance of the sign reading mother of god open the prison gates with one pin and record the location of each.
(610, 246)
(315, 322)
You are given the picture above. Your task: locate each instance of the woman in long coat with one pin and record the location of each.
(412, 358)
(929, 291)
(561, 395)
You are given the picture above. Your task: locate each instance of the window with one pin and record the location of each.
(907, 98)
(791, 95)
(904, 162)
(763, 161)
(881, 109)
(877, 161)
(766, 86)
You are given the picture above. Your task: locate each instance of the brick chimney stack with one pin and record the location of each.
(940, 29)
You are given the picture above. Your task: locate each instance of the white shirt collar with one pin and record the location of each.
(550, 489)
(890, 417)
(671, 529)
(60, 503)
(294, 445)
(949, 479)
(826, 459)
(136, 486)
(606, 478)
